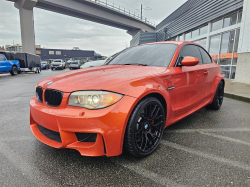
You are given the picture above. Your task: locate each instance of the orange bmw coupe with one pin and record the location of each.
(126, 103)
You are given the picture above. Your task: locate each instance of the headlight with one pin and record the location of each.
(93, 99)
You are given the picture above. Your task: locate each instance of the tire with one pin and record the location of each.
(145, 128)
(218, 97)
(14, 71)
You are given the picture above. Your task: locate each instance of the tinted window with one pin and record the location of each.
(152, 55)
(205, 57)
(2, 58)
(191, 50)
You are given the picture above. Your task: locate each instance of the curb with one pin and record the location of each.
(237, 97)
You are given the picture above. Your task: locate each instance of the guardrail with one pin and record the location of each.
(123, 10)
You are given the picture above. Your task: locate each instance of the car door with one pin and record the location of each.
(4, 64)
(211, 70)
(189, 81)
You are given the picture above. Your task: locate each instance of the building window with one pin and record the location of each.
(202, 42)
(239, 17)
(226, 50)
(181, 37)
(235, 54)
(233, 70)
(230, 20)
(188, 36)
(216, 25)
(225, 71)
(38, 52)
(195, 33)
(58, 52)
(51, 52)
(214, 47)
(203, 30)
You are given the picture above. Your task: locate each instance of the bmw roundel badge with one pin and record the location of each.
(49, 83)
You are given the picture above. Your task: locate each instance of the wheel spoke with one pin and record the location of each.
(156, 124)
(157, 111)
(139, 131)
(145, 142)
(153, 110)
(138, 139)
(157, 117)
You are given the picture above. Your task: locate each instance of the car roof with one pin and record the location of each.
(171, 42)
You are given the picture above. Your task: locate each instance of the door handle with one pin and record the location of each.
(205, 72)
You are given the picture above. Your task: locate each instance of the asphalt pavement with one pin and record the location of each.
(207, 148)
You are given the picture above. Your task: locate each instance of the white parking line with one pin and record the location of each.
(147, 174)
(226, 138)
(207, 155)
(209, 130)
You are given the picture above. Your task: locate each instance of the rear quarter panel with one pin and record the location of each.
(216, 75)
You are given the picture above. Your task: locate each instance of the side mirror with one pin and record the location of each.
(189, 61)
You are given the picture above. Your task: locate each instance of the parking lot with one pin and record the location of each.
(208, 148)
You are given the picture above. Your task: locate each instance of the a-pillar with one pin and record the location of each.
(27, 24)
(243, 64)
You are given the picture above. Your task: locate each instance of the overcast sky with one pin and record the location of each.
(53, 30)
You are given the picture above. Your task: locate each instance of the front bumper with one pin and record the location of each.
(56, 67)
(74, 67)
(65, 121)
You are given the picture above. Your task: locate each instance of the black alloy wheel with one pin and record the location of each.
(218, 97)
(145, 128)
(14, 70)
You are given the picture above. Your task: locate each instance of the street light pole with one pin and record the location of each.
(141, 11)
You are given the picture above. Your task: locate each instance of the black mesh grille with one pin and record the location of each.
(53, 135)
(53, 97)
(39, 94)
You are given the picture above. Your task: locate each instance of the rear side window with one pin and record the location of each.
(206, 58)
(2, 58)
(191, 50)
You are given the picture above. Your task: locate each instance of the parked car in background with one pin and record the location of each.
(45, 65)
(28, 62)
(93, 63)
(125, 104)
(57, 64)
(74, 65)
(11, 66)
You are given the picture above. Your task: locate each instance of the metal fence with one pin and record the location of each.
(123, 10)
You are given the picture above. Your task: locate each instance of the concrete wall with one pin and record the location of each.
(243, 68)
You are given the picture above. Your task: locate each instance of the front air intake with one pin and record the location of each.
(53, 97)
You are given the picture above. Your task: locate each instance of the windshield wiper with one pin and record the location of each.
(138, 64)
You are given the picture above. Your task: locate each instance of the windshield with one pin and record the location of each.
(151, 55)
(57, 61)
(74, 63)
(44, 62)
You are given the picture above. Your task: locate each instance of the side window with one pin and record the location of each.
(191, 50)
(206, 58)
(2, 58)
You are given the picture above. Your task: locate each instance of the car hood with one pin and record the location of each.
(98, 78)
